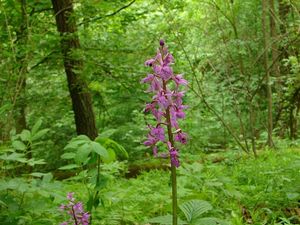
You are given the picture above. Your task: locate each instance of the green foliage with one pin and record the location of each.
(113, 148)
(165, 220)
(84, 151)
(22, 149)
(86, 155)
(194, 209)
(228, 186)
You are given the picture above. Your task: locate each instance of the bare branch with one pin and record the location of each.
(108, 15)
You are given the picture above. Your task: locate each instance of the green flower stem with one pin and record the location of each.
(173, 167)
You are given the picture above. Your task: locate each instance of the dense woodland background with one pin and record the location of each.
(73, 68)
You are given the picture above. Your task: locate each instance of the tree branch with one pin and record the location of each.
(108, 15)
(47, 57)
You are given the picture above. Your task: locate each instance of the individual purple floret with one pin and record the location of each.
(166, 104)
(75, 210)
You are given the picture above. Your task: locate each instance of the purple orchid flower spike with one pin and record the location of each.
(167, 105)
(75, 211)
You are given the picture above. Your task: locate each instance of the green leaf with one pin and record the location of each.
(111, 156)
(165, 220)
(74, 144)
(100, 150)
(90, 203)
(5, 108)
(83, 137)
(82, 154)
(20, 157)
(68, 155)
(36, 126)
(121, 152)
(77, 141)
(118, 149)
(25, 135)
(47, 177)
(102, 140)
(32, 162)
(194, 209)
(69, 167)
(36, 174)
(3, 204)
(96, 202)
(39, 134)
(19, 145)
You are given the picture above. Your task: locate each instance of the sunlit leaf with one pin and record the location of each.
(69, 167)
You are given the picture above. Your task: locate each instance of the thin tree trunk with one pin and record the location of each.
(273, 31)
(284, 9)
(275, 65)
(81, 98)
(252, 127)
(21, 57)
(269, 89)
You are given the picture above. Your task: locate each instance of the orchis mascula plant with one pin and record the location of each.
(167, 108)
(75, 211)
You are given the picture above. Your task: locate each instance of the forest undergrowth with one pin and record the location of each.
(228, 187)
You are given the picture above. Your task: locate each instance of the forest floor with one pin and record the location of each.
(240, 188)
(230, 187)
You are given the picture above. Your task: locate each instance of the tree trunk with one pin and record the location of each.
(81, 98)
(252, 127)
(22, 62)
(273, 32)
(266, 66)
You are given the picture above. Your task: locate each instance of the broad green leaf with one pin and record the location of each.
(100, 150)
(20, 157)
(15, 183)
(68, 155)
(25, 135)
(19, 145)
(82, 154)
(101, 140)
(107, 133)
(32, 162)
(47, 177)
(111, 156)
(117, 148)
(69, 167)
(39, 134)
(121, 152)
(74, 144)
(23, 188)
(83, 137)
(36, 126)
(194, 209)
(36, 174)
